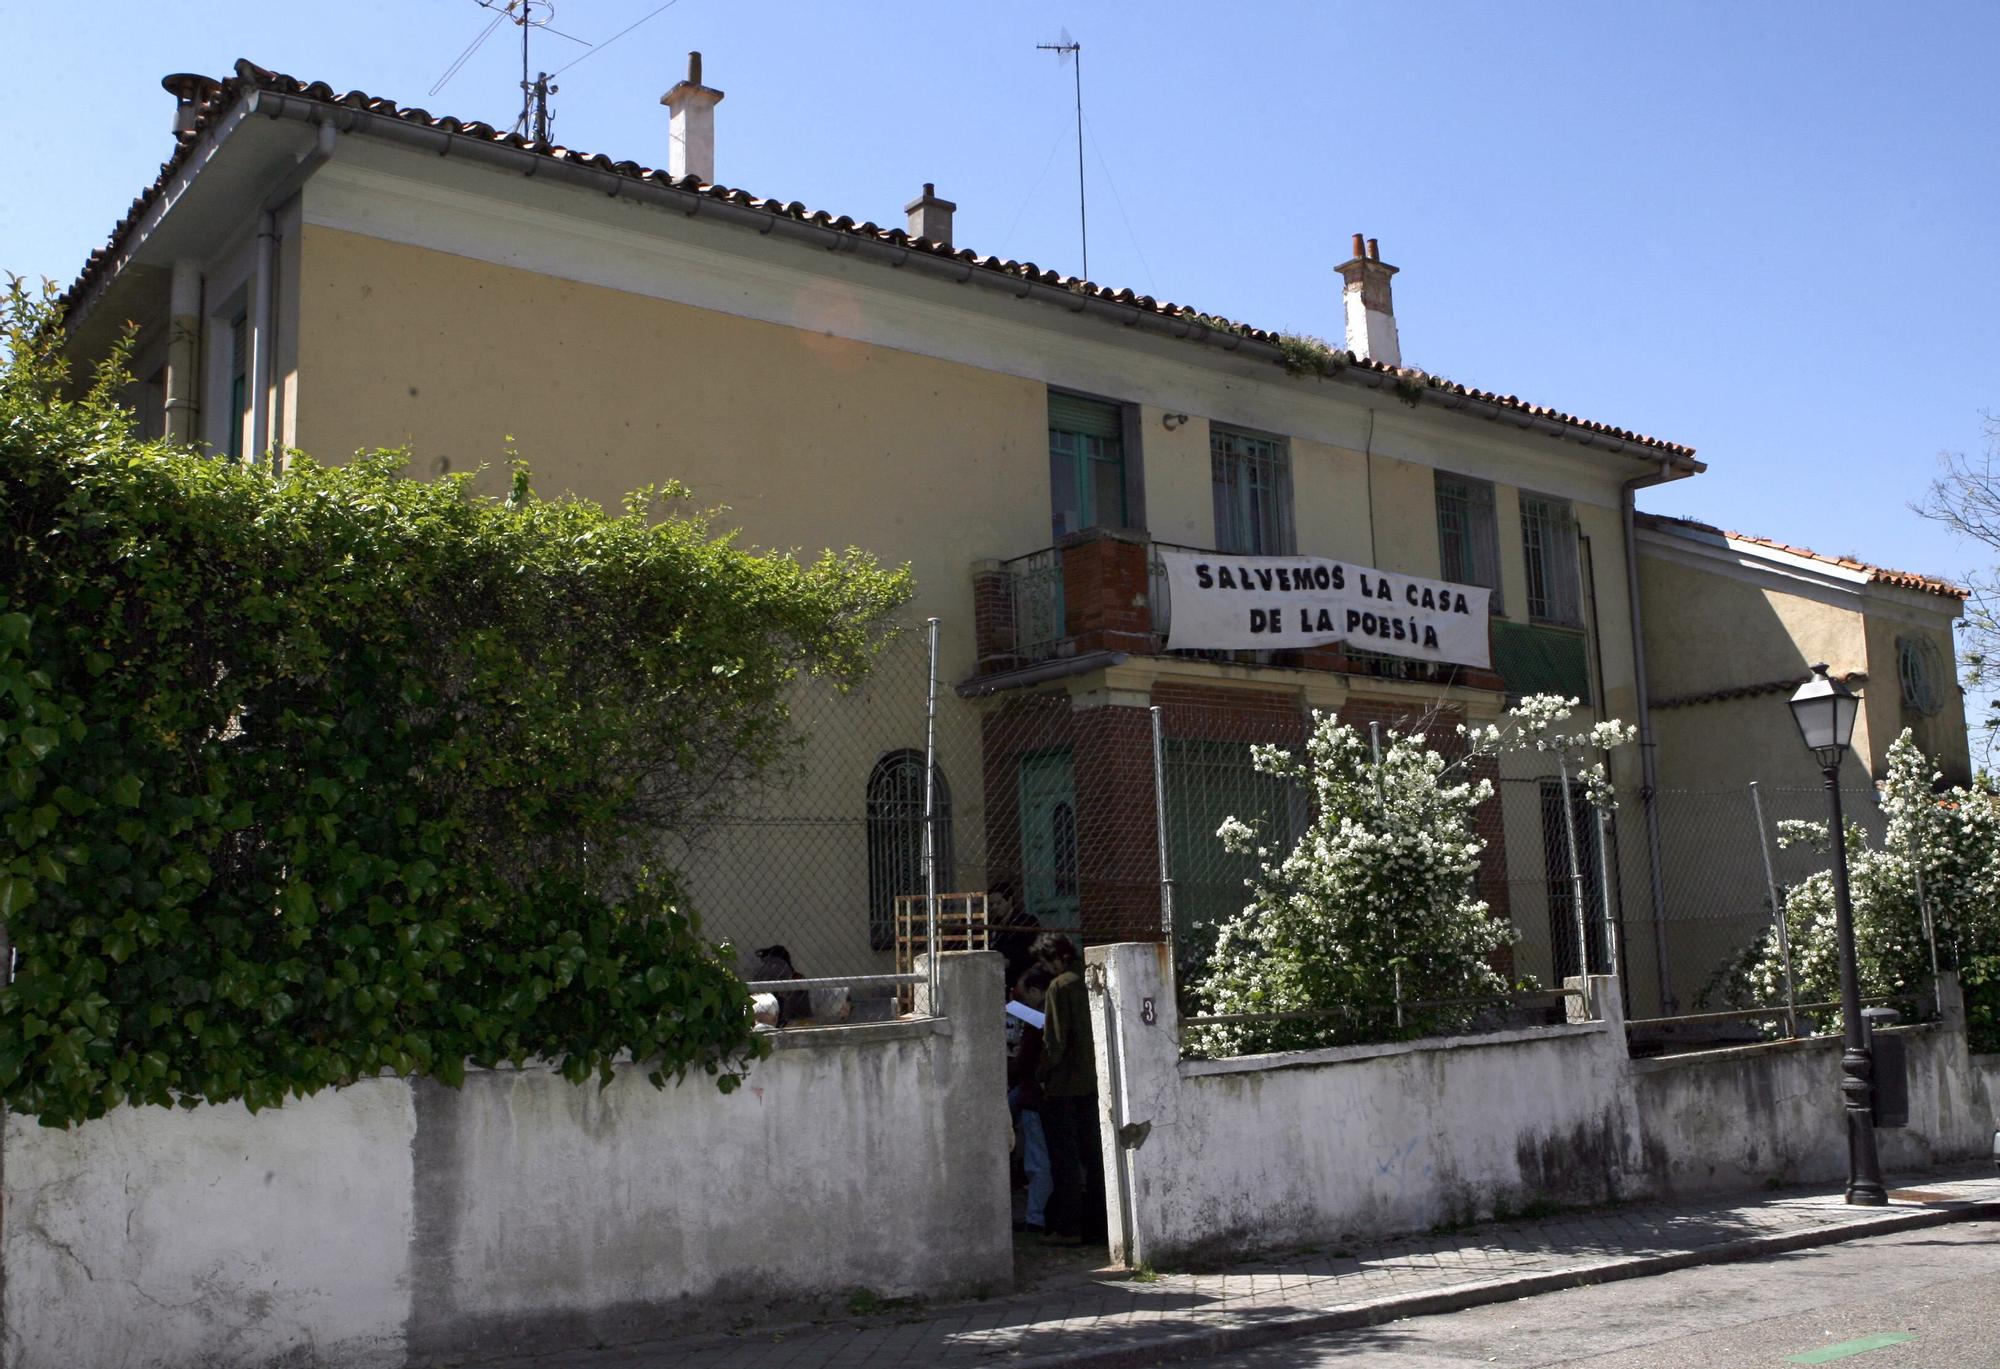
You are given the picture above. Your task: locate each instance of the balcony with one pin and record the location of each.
(1103, 591)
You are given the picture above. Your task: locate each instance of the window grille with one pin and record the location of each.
(1468, 534)
(896, 838)
(1548, 537)
(1917, 669)
(1086, 465)
(1253, 494)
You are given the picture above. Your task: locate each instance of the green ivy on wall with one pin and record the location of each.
(311, 776)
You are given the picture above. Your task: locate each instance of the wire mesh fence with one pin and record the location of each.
(1093, 811)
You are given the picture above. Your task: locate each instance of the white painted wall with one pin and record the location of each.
(151, 1237)
(1210, 1158)
(1269, 1151)
(1741, 1118)
(391, 1223)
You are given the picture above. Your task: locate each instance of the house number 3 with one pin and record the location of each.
(1146, 1013)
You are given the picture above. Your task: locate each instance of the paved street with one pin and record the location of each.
(1835, 1304)
(1349, 1301)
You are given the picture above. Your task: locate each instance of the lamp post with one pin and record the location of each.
(1824, 709)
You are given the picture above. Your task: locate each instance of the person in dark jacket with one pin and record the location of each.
(1068, 1075)
(1024, 1097)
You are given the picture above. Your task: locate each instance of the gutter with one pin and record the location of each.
(607, 181)
(1649, 770)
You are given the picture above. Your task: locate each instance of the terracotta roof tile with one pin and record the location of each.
(1904, 579)
(219, 96)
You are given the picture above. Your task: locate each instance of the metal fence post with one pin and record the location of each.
(1395, 970)
(1575, 870)
(1777, 911)
(1924, 907)
(1613, 945)
(930, 820)
(1166, 872)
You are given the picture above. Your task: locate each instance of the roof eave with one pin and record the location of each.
(892, 248)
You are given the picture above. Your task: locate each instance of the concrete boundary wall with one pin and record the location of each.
(1211, 1158)
(393, 1223)
(1232, 1156)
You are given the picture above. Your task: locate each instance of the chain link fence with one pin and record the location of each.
(1093, 811)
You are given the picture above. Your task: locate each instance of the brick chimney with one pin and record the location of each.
(1371, 313)
(930, 217)
(692, 148)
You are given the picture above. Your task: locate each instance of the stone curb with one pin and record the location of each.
(1225, 1339)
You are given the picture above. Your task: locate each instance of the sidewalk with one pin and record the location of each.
(1106, 1318)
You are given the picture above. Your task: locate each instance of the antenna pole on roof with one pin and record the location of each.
(542, 90)
(1065, 50)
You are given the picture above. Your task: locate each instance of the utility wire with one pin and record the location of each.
(466, 56)
(615, 37)
(1061, 135)
(1152, 288)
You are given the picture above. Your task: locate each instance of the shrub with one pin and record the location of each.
(316, 775)
(1378, 900)
(1949, 844)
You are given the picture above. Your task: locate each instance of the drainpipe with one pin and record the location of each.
(183, 407)
(263, 297)
(1648, 759)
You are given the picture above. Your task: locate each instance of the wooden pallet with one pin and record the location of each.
(962, 926)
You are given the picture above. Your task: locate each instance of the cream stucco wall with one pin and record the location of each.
(1715, 627)
(809, 430)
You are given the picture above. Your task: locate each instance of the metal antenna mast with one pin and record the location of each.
(1067, 49)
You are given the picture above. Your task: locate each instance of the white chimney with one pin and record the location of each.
(692, 152)
(1371, 313)
(930, 217)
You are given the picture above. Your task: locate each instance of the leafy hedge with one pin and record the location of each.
(312, 776)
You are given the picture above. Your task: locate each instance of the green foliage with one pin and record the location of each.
(1302, 354)
(1946, 844)
(1378, 902)
(310, 776)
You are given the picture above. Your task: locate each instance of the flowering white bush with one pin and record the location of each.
(1949, 843)
(1381, 892)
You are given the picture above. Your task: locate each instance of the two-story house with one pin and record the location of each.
(330, 272)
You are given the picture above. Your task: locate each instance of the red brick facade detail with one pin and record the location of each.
(1107, 591)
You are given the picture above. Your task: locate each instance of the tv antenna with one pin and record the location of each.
(527, 15)
(1068, 50)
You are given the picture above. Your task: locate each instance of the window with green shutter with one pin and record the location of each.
(1086, 465)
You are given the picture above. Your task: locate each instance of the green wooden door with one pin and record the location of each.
(1048, 838)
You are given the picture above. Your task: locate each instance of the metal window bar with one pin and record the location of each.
(1469, 534)
(1041, 626)
(1252, 479)
(1548, 538)
(897, 852)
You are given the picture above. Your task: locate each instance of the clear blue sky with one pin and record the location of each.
(1767, 230)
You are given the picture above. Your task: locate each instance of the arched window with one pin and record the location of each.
(1919, 670)
(896, 839)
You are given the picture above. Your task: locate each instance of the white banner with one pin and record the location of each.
(1228, 603)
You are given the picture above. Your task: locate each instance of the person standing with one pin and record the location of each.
(1024, 1094)
(1068, 1074)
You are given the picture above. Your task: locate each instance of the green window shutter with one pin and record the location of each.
(1541, 660)
(1086, 417)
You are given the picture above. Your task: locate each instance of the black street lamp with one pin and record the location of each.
(1824, 709)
